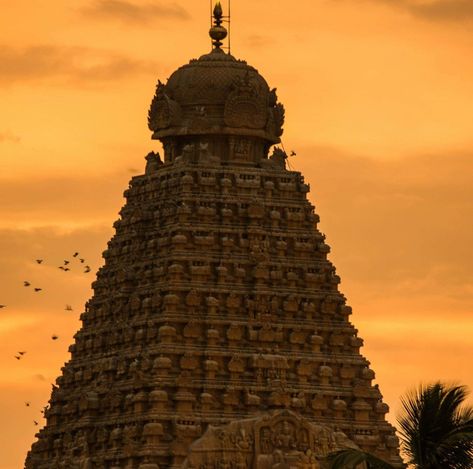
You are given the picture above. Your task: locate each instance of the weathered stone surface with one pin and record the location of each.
(275, 439)
(216, 327)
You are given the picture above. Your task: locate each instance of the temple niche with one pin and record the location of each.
(216, 336)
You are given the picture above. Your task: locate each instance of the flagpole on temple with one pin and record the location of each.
(229, 26)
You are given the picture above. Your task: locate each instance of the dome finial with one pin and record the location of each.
(217, 31)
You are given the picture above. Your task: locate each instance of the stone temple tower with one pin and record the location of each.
(216, 337)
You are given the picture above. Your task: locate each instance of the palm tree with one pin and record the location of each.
(436, 428)
(436, 431)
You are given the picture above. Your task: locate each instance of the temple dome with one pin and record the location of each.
(209, 79)
(216, 94)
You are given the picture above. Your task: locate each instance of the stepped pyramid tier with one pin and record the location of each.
(216, 336)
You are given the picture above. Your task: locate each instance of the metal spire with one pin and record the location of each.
(217, 31)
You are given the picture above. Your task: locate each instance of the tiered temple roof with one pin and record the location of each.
(216, 336)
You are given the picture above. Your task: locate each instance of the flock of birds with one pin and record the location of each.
(66, 267)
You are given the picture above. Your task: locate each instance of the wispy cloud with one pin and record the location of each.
(258, 40)
(142, 13)
(444, 10)
(67, 201)
(68, 65)
(400, 225)
(9, 137)
(434, 10)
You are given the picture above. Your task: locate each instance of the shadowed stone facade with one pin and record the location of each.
(216, 337)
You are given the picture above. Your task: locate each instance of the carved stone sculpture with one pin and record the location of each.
(216, 336)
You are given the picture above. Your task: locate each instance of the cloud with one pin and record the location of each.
(434, 10)
(257, 40)
(69, 200)
(401, 227)
(67, 65)
(9, 137)
(126, 11)
(444, 10)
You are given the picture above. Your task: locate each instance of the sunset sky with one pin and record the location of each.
(379, 108)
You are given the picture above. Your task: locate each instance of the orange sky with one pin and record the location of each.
(378, 95)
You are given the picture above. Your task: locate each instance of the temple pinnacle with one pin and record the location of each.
(217, 31)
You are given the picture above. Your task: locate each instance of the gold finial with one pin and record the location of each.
(217, 31)
(218, 12)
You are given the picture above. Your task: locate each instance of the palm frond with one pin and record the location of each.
(436, 428)
(356, 459)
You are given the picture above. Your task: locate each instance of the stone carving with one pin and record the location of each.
(187, 155)
(276, 115)
(241, 149)
(217, 309)
(153, 162)
(163, 110)
(278, 159)
(245, 106)
(275, 440)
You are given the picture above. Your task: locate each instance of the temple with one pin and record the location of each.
(216, 337)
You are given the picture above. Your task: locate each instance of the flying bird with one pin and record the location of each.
(17, 357)
(293, 153)
(39, 261)
(21, 353)
(66, 262)
(82, 261)
(26, 283)
(75, 254)
(54, 337)
(35, 422)
(37, 289)
(87, 269)
(68, 308)
(27, 404)
(3, 306)
(66, 269)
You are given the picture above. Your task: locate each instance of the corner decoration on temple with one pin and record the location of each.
(216, 337)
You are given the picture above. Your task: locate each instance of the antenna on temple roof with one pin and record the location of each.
(217, 31)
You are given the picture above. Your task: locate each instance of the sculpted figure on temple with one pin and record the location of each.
(252, 399)
(153, 162)
(298, 401)
(237, 364)
(278, 158)
(279, 398)
(187, 155)
(234, 332)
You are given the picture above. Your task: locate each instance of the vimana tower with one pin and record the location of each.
(216, 337)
